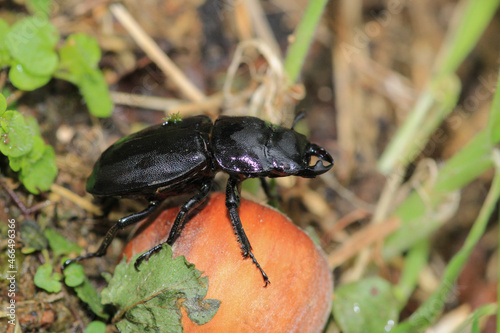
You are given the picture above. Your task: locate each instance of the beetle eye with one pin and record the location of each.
(316, 156)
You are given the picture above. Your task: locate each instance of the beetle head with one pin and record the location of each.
(310, 171)
(291, 153)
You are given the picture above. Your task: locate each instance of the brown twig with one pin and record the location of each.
(14, 96)
(361, 240)
(152, 49)
(79, 201)
(16, 199)
(168, 104)
(344, 222)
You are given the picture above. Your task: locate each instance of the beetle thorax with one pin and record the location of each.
(250, 147)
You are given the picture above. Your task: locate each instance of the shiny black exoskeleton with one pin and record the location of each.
(183, 156)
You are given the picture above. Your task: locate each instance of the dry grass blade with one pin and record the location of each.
(156, 54)
(362, 240)
(79, 201)
(270, 95)
(169, 104)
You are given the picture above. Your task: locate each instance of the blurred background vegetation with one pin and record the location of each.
(402, 93)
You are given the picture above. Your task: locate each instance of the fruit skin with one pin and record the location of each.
(299, 296)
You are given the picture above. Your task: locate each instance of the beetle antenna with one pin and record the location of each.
(298, 117)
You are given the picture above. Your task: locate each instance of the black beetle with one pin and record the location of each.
(183, 156)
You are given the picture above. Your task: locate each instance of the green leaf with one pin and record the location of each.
(304, 33)
(481, 312)
(88, 294)
(21, 141)
(32, 237)
(16, 163)
(39, 7)
(15, 136)
(473, 18)
(4, 52)
(493, 124)
(31, 41)
(416, 259)
(74, 275)
(96, 327)
(46, 280)
(366, 305)
(80, 53)
(3, 104)
(40, 175)
(33, 125)
(59, 244)
(79, 64)
(95, 92)
(201, 311)
(37, 150)
(150, 300)
(7, 91)
(24, 80)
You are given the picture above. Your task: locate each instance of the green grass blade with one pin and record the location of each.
(303, 35)
(483, 311)
(476, 16)
(433, 306)
(435, 100)
(417, 218)
(493, 126)
(413, 265)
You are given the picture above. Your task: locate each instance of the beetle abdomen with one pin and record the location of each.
(161, 156)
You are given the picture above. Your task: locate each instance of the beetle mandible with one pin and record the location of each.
(183, 156)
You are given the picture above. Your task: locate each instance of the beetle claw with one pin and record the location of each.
(264, 275)
(146, 255)
(142, 257)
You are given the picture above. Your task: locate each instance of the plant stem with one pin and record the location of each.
(302, 38)
(472, 17)
(431, 308)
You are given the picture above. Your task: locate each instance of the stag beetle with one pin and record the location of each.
(183, 156)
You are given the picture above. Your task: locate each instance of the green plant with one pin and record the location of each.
(419, 212)
(49, 280)
(28, 154)
(30, 48)
(370, 304)
(151, 299)
(161, 293)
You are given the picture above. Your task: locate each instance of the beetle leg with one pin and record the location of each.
(110, 235)
(179, 222)
(185, 209)
(232, 204)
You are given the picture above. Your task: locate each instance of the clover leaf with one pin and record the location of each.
(46, 279)
(16, 137)
(79, 64)
(31, 42)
